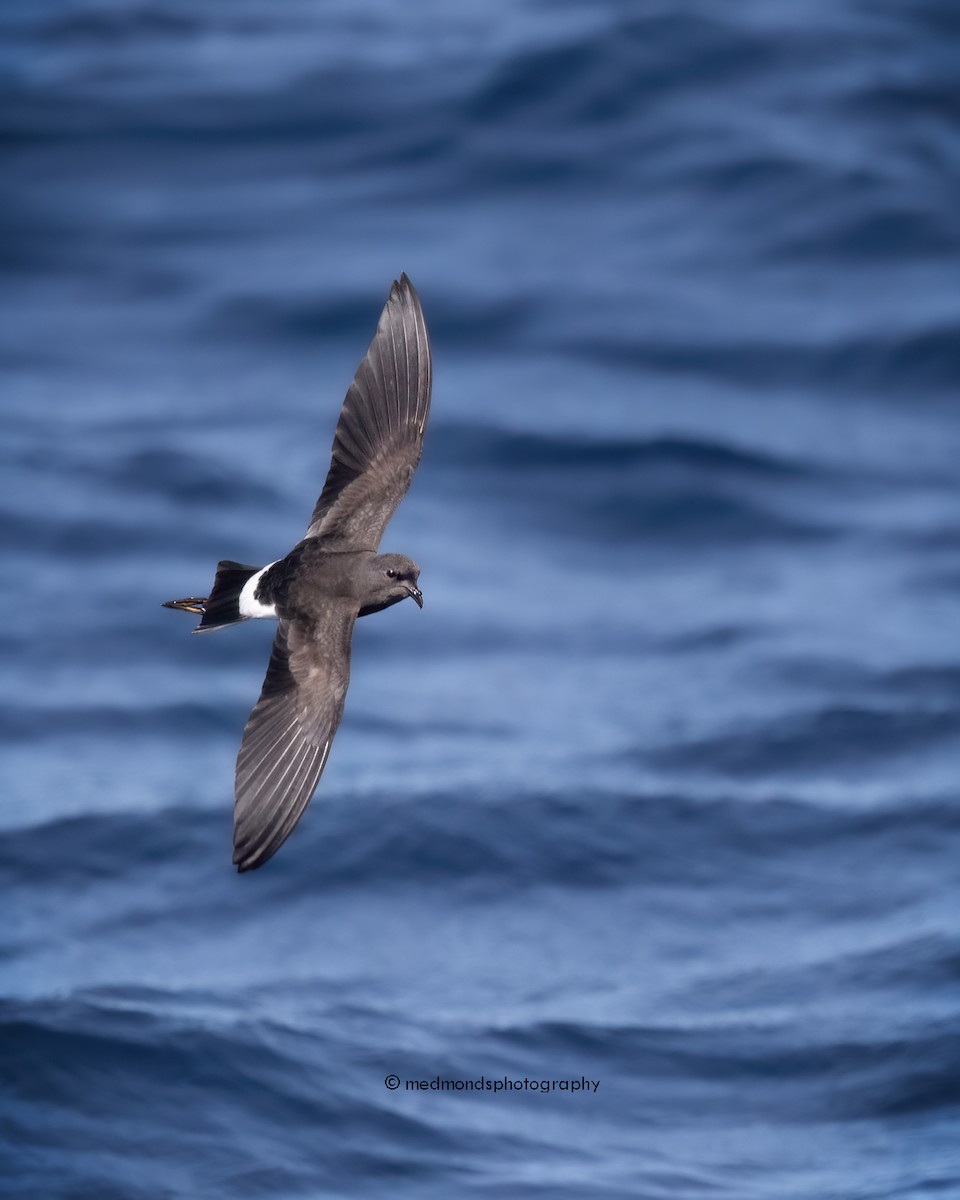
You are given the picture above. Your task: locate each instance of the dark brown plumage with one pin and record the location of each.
(328, 580)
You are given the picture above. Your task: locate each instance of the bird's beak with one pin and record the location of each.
(415, 594)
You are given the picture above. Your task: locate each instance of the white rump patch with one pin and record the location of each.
(250, 606)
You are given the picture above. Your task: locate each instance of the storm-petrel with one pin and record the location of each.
(326, 581)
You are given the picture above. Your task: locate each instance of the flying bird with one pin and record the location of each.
(334, 575)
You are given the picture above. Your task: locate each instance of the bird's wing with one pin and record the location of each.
(287, 738)
(380, 432)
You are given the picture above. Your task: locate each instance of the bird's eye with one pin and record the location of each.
(391, 573)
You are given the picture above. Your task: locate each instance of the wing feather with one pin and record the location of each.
(288, 736)
(379, 436)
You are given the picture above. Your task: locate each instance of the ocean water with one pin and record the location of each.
(660, 790)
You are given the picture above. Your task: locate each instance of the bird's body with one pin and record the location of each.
(312, 579)
(328, 580)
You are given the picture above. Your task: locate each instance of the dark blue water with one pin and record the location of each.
(660, 790)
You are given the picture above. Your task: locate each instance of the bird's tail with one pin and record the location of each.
(222, 606)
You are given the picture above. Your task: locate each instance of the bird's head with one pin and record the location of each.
(394, 578)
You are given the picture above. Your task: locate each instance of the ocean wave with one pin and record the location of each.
(489, 447)
(482, 843)
(657, 489)
(180, 719)
(185, 477)
(924, 358)
(847, 1077)
(102, 537)
(821, 742)
(455, 320)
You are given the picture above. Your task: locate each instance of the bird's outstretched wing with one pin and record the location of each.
(287, 738)
(380, 432)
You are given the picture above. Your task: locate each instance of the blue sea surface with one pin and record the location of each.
(660, 790)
